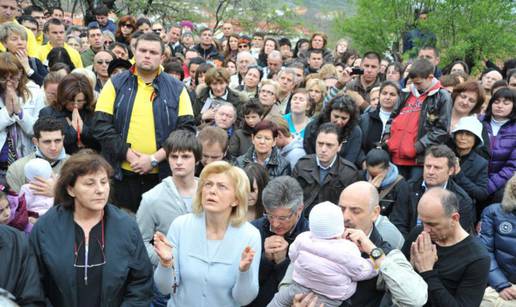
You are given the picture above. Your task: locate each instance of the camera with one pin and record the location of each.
(357, 71)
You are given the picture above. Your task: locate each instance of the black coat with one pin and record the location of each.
(405, 219)
(271, 273)
(70, 141)
(237, 99)
(126, 276)
(19, 272)
(306, 172)
(472, 177)
(40, 71)
(372, 128)
(351, 145)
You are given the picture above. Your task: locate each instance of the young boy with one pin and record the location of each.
(240, 142)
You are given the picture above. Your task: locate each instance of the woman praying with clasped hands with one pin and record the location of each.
(211, 257)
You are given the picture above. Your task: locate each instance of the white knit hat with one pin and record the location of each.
(326, 220)
(470, 124)
(37, 168)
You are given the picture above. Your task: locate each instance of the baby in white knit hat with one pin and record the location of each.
(324, 261)
(38, 204)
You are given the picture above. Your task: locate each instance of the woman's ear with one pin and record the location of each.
(70, 191)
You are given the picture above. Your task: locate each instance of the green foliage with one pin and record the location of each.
(471, 30)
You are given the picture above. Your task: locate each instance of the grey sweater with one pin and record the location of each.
(159, 208)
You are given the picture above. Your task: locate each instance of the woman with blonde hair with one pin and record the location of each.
(212, 255)
(317, 91)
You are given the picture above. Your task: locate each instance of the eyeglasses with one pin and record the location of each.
(271, 217)
(243, 46)
(11, 78)
(100, 62)
(86, 265)
(127, 25)
(157, 30)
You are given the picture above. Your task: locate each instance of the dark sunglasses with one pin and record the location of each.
(128, 25)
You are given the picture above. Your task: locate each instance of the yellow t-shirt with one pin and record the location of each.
(74, 55)
(141, 133)
(40, 39)
(32, 45)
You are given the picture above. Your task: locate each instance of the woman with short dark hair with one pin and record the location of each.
(75, 106)
(89, 252)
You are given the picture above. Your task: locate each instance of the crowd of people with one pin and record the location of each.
(145, 165)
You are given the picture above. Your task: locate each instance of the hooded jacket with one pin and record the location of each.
(409, 136)
(293, 152)
(498, 234)
(240, 142)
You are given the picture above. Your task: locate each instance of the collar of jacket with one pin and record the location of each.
(273, 158)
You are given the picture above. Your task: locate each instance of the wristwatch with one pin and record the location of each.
(376, 253)
(153, 162)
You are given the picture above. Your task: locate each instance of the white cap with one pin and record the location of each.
(37, 168)
(471, 124)
(326, 220)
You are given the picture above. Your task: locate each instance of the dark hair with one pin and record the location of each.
(84, 162)
(52, 9)
(183, 140)
(498, 84)
(212, 74)
(150, 37)
(312, 50)
(378, 157)
(343, 103)
(421, 68)
(47, 124)
(298, 45)
(91, 28)
(256, 67)
(259, 173)
(71, 86)
(101, 10)
(442, 151)
(52, 21)
(32, 8)
(142, 20)
(196, 60)
(118, 44)
(266, 125)
(464, 65)
(28, 18)
(330, 128)
(506, 93)
(252, 107)
(372, 55)
(396, 85)
(510, 73)
(285, 41)
(213, 135)
(174, 67)
(60, 55)
(449, 80)
(118, 63)
(508, 65)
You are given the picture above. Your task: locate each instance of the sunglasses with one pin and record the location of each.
(100, 62)
(128, 25)
(243, 46)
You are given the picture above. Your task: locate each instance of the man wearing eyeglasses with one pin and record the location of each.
(96, 42)
(282, 222)
(160, 30)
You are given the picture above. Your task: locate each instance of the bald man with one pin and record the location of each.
(360, 207)
(451, 261)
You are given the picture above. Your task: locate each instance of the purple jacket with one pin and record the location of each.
(502, 164)
(329, 267)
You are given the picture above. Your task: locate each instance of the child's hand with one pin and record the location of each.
(247, 259)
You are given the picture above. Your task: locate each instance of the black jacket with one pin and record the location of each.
(112, 130)
(306, 172)
(472, 177)
(372, 128)
(70, 140)
(19, 272)
(40, 71)
(240, 142)
(277, 165)
(351, 145)
(406, 218)
(126, 276)
(206, 53)
(271, 273)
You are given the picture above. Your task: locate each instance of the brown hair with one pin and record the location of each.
(69, 87)
(122, 21)
(213, 135)
(470, 86)
(10, 65)
(82, 163)
(321, 34)
(216, 74)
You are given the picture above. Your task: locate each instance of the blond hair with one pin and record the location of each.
(240, 184)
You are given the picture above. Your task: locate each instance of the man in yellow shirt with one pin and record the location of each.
(55, 30)
(8, 12)
(37, 13)
(135, 113)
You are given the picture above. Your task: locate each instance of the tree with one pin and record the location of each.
(471, 30)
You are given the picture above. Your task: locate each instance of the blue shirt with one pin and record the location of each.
(292, 128)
